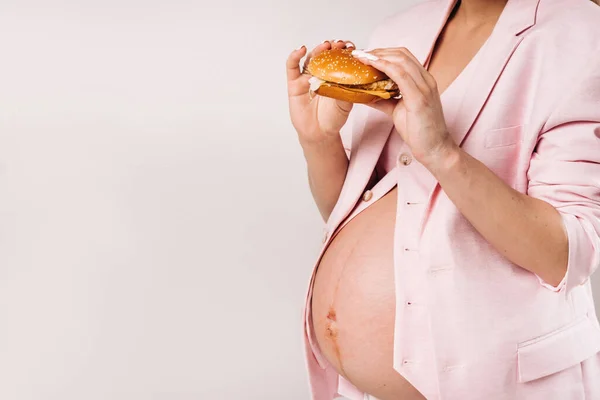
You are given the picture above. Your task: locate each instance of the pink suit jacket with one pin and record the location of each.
(485, 328)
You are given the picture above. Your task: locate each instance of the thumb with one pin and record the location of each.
(385, 106)
(344, 106)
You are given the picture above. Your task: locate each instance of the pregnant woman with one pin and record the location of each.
(462, 221)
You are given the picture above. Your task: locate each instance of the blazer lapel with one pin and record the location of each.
(423, 46)
(422, 37)
(370, 136)
(368, 139)
(517, 17)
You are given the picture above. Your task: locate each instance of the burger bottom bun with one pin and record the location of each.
(340, 93)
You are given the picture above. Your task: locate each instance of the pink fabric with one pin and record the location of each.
(530, 111)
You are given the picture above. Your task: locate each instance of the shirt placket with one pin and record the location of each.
(412, 339)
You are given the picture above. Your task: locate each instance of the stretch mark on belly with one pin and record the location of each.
(332, 331)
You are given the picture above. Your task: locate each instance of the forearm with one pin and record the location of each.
(327, 165)
(527, 231)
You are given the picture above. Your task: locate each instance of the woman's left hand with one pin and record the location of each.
(418, 115)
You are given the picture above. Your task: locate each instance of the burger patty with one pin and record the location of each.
(386, 84)
(385, 88)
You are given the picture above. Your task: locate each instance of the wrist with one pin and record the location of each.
(446, 158)
(319, 142)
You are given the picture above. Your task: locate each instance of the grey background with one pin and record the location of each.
(156, 228)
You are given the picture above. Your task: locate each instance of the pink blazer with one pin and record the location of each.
(531, 113)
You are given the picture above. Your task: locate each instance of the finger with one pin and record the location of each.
(393, 50)
(426, 74)
(293, 63)
(344, 106)
(413, 96)
(299, 87)
(343, 44)
(409, 54)
(429, 79)
(338, 44)
(385, 106)
(382, 53)
(398, 52)
(397, 57)
(325, 45)
(416, 71)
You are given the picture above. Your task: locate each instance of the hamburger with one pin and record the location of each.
(337, 74)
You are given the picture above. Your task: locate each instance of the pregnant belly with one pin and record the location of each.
(353, 303)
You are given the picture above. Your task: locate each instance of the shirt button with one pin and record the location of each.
(368, 195)
(405, 159)
(325, 234)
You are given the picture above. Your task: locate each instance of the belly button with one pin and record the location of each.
(331, 315)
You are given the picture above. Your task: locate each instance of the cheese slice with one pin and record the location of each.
(379, 93)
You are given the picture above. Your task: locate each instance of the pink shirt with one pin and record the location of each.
(469, 323)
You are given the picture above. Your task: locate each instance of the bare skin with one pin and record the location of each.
(354, 303)
(464, 34)
(318, 123)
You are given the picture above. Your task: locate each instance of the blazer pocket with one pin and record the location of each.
(503, 137)
(558, 350)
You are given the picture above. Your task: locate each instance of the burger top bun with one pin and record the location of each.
(339, 66)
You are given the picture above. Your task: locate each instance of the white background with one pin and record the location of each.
(156, 228)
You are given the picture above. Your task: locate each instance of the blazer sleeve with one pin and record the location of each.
(565, 172)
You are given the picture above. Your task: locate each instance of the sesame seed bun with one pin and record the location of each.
(341, 76)
(339, 66)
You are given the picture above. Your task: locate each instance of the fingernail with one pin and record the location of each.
(324, 41)
(337, 40)
(349, 45)
(362, 54)
(300, 48)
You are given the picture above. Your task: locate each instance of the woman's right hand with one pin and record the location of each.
(319, 118)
